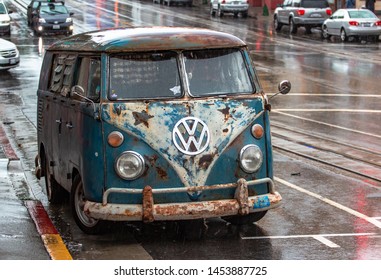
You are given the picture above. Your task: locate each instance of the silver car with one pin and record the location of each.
(352, 23)
(235, 7)
(9, 55)
(301, 13)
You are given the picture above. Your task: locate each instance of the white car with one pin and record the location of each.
(9, 55)
(347, 23)
(5, 19)
(221, 7)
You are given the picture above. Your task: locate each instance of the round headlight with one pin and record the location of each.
(250, 158)
(129, 165)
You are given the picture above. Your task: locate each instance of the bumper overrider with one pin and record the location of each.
(148, 211)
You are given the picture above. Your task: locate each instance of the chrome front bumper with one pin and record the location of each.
(242, 204)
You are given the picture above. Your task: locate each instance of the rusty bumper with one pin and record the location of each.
(148, 211)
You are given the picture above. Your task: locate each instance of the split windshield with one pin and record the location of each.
(157, 74)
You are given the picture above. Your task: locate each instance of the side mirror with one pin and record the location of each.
(79, 91)
(284, 87)
(71, 14)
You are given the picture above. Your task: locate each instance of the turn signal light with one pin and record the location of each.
(257, 131)
(115, 139)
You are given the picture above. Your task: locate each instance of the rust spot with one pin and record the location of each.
(205, 161)
(152, 159)
(226, 130)
(162, 173)
(226, 113)
(141, 117)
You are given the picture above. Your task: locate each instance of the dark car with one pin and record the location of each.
(52, 18)
(33, 6)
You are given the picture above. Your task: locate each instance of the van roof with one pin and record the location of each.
(146, 39)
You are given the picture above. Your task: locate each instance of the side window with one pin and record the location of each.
(88, 76)
(60, 82)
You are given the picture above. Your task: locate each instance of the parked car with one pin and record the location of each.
(188, 3)
(221, 7)
(5, 19)
(356, 23)
(155, 124)
(9, 55)
(52, 18)
(301, 13)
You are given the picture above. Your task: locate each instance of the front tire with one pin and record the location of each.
(77, 202)
(324, 33)
(247, 219)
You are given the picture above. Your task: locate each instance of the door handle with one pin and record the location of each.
(69, 125)
(58, 121)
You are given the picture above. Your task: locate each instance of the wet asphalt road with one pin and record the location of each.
(327, 213)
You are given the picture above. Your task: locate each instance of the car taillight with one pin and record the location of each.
(378, 23)
(301, 12)
(223, 2)
(354, 23)
(328, 11)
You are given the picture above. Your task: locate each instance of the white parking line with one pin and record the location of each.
(319, 237)
(332, 203)
(328, 124)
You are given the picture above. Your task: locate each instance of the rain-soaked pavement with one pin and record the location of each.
(327, 213)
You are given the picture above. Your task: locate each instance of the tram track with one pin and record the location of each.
(357, 160)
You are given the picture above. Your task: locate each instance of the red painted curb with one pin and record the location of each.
(40, 217)
(7, 147)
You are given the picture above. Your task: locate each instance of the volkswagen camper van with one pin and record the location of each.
(155, 124)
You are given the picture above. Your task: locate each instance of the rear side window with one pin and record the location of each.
(61, 79)
(144, 76)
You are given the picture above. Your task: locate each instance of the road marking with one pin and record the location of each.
(319, 237)
(332, 203)
(328, 124)
(334, 95)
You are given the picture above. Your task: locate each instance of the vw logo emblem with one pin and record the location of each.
(191, 136)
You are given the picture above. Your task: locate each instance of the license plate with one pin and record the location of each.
(315, 15)
(12, 61)
(56, 27)
(366, 24)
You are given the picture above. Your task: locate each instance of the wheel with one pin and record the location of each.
(219, 12)
(77, 202)
(308, 29)
(324, 33)
(235, 15)
(54, 191)
(277, 24)
(293, 27)
(343, 35)
(244, 15)
(212, 11)
(244, 220)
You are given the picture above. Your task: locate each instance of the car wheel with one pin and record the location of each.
(77, 203)
(324, 33)
(219, 12)
(244, 220)
(277, 24)
(244, 14)
(54, 191)
(293, 27)
(343, 35)
(212, 11)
